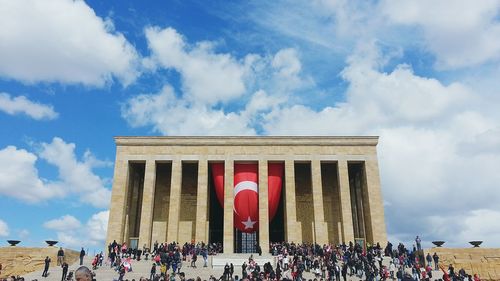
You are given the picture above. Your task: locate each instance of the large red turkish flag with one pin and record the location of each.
(274, 183)
(246, 192)
(246, 197)
(218, 176)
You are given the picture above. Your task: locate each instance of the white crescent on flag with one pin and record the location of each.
(245, 185)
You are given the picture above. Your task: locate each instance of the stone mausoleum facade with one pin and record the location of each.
(165, 189)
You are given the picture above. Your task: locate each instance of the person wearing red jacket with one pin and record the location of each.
(446, 277)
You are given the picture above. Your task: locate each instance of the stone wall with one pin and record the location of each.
(482, 261)
(22, 260)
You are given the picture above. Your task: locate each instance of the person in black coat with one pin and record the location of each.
(60, 256)
(226, 271)
(64, 271)
(46, 269)
(82, 254)
(153, 271)
(344, 271)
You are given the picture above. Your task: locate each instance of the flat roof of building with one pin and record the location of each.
(246, 140)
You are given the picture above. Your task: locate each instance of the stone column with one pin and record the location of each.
(263, 206)
(375, 223)
(228, 236)
(147, 204)
(116, 222)
(293, 228)
(320, 226)
(175, 201)
(202, 201)
(345, 203)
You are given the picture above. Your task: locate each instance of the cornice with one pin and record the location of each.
(246, 141)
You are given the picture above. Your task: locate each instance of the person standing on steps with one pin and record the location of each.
(435, 257)
(204, 254)
(418, 241)
(82, 254)
(64, 271)
(60, 256)
(152, 272)
(46, 269)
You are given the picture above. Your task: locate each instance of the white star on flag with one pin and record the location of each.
(248, 223)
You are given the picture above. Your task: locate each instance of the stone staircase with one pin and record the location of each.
(219, 261)
(482, 261)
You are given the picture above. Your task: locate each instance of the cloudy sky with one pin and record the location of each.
(423, 75)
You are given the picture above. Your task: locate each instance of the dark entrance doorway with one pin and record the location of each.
(245, 242)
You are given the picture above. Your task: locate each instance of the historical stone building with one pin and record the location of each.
(166, 189)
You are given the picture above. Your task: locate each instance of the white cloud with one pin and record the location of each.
(22, 105)
(172, 116)
(207, 76)
(4, 228)
(73, 234)
(63, 223)
(286, 77)
(262, 102)
(62, 41)
(23, 233)
(374, 100)
(209, 79)
(97, 226)
(19, 176)
(474, 225)
(76, 176)
(460, 33)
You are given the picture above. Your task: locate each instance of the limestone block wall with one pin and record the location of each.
(23, 260)
(482, 261)
(304, 200)
(305, 215)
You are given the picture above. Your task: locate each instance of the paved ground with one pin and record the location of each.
(142, 269)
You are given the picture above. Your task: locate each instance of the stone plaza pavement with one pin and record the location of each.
(139, 269)
(142, 269)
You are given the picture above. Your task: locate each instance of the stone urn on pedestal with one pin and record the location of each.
(51, 243)
(13, 242)
(476, 243)
(438, 243)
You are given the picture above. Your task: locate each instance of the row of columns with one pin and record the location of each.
(292, 226)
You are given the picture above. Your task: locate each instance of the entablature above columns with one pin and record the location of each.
(160, 158)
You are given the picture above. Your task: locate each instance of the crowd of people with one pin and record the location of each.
(295, 262)
(165, 257)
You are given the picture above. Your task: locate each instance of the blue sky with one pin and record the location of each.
(423, 75)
